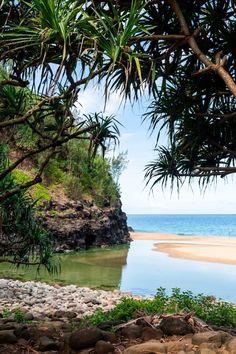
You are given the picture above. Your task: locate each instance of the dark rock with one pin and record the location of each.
(7, 326)
(151, 333)
(109, 324)
(103, 347)
(85, 338)
(46, 343)
(7, 336)
(22, 342)
(109, 336)
(19, 330)
(26, 334)
(132, 331)
(175, 326)
(74, 230)
(130, 229)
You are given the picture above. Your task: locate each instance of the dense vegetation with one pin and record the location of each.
(79, 170)
(182, 53)
(205, 307)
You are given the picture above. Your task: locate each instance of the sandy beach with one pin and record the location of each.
(199, 248)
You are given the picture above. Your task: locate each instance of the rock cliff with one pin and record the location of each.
(76, 226)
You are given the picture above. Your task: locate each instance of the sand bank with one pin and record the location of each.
(199, 248)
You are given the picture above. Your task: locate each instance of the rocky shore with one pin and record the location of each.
(39, 318)
(42, 299)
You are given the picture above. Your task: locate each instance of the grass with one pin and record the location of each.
(219, 313)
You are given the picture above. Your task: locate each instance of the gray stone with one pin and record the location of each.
(29, 316)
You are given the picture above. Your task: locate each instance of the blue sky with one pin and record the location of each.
(135, 138)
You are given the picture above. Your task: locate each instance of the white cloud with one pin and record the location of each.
(92, 100)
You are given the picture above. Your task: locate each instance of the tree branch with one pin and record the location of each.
(18, 83)
(55, 144)
(157, 37)
(218, 67)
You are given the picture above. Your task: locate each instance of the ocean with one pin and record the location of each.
(148, 269)
(185, 224)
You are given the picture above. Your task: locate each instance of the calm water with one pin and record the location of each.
(188, 224)
(142, 270)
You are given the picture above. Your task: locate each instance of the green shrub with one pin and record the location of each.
(219, 313)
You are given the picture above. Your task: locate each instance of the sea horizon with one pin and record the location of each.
(185, 224)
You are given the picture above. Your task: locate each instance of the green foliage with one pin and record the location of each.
(18, 315)
(53, 173)
(205, 307)
(38, 192)
(23, 239)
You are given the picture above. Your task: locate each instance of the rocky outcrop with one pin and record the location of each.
(76, 226)
(65, 334)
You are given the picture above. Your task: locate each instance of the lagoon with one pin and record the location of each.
(138, 269)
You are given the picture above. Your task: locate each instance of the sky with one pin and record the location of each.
(136, 140)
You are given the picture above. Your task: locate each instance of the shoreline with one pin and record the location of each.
(213, 249)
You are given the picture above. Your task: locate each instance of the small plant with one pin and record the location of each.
(6, 313)
(207, 308)
(19, 315)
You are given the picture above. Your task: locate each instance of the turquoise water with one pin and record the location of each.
(187, 224)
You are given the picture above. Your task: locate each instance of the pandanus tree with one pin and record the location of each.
(182, 53)
(105, 133)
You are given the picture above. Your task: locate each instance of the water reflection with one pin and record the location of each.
(139, 269)
(99, 268)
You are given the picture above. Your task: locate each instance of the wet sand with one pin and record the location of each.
(199, 248)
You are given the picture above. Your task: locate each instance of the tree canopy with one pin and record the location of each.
(181, 52)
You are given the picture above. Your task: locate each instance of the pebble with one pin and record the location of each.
(41, 298)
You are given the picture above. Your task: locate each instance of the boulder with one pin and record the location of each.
(148, 347)
(132, 331)
(8, 337)
(175, 326)
(85, 338)
(109, 336)
(231, 345)
(149, 333)
(103, 347)
(218, 338)
(46, 344)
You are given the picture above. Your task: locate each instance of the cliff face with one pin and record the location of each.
(75, 226)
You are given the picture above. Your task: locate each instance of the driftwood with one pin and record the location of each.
(153, 321)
